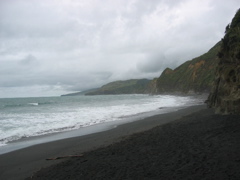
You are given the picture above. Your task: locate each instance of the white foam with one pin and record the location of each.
(33, 104)
(76, 113)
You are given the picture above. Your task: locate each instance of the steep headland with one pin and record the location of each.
(196, 75)
(225, 95)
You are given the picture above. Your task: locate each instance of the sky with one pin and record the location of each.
(54, 47)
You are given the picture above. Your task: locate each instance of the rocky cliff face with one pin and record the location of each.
(194, 76)
(225, 94)
(152, 87)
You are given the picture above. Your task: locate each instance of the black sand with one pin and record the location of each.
(197, 145)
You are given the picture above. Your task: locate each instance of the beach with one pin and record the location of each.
(191, 143)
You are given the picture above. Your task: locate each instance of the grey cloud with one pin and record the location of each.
(29, 59)
(153, 63)
(74, 45)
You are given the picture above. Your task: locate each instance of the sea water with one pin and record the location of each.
(27, 117)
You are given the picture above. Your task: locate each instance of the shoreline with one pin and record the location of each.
(45, 138)
(24, 162)
(75, 120)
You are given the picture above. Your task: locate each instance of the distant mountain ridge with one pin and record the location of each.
(193, 76)
(132, 86)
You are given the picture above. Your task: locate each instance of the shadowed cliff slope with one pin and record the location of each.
(225, 95)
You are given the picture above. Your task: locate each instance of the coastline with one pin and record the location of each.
(41, 139)
(52, 120)
(23, 163)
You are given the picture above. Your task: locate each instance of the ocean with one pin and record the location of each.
(23, 118)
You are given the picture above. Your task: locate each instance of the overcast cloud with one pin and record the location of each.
(51, 47)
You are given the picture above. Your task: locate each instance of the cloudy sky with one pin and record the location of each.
(52, 47)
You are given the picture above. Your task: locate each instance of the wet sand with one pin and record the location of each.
(192, 143)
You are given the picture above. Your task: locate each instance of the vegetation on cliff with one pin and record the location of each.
(133, 86)
(225, 95)
(196, 75)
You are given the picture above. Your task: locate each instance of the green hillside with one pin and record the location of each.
(196, 75)
(133, 86)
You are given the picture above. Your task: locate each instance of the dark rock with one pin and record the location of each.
(225, 94)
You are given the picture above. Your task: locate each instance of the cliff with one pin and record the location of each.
(152, 87)
(133, 86)
(225, 94)
(196, 75)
